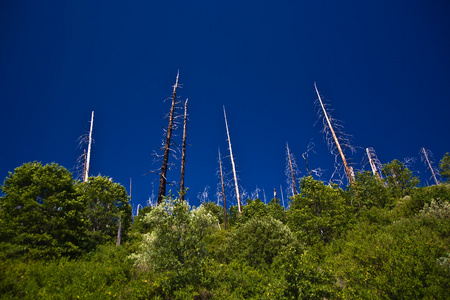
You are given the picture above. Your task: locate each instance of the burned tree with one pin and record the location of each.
(163, 179)
(223, 192)
(374, 162)
(427, 158)
(183, 153)
(291, 170)
(232, 163)
(83, 161)
(334, 140)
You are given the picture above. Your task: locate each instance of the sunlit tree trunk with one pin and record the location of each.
(294, 188)
(88, 155)
(372, 164)
(348, 170)
(232, 163)
(119, 233)
(425, 154)
(163, 179)
(183, 153)
(223, 193)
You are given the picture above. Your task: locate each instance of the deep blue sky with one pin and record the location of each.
(383, 66)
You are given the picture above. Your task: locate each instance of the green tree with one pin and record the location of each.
(399, 179)
(106, 207)
(318, 213)
(215, 210)
(398, 261)
(176, 246)
(276, 211)
(444, 166)
(257, 242)
(369, 191)
(40, 216)
(254, 209)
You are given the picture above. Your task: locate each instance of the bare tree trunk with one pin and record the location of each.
(223, 193)
(183, 153)
(88, 156)
(348, 170)
(162, 181)
(282, 195)
(119, 233)
(372, 164)
(429, 165)
(232, 164)
(294, 188)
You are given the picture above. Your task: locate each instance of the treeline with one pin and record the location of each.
(376, 239)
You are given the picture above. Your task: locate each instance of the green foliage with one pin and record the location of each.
(215, 210)
(254, 209)
(101, 275)
(257, 242)
(238, 280)
(370, 242)
(276, 211)
(40, 216)
(318, 213)
(233, 215)
(305, 276)
(369, 191)
(444, 166)
(436, 209)
(105, 204)
(411, 205)
(399, 179)
(138, 225)
(175, 247)
(398, 261)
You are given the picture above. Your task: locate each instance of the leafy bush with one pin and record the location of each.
(175, 247)
(257, 242)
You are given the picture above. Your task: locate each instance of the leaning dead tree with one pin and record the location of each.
(373, 161)
(162, 180)
(183, 153)
(427, 158)
(223, 192)
(83, 161)
(291, 169)
(335, 140)
(232, 163)
(282, 196)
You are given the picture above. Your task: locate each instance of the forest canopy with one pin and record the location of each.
(379, 238)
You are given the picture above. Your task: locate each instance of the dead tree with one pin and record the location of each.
(162, 180)
(183, 153)
(223, 193)
(232, 163)
(119, 233)
(282, 196)
(427, 158)
(373, 162)
(336, 143)
(290, 169)
(88, 154)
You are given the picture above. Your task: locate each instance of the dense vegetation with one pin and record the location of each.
(377, 239)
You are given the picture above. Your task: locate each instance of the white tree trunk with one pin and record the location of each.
(88, 156)
(232, 163)
(429, 165)
(372, 164)
(294, 189)
(336, 141)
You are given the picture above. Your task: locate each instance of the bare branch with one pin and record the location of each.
(427, 158)
(328, 127)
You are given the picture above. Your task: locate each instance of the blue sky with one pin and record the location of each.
(383, 66)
